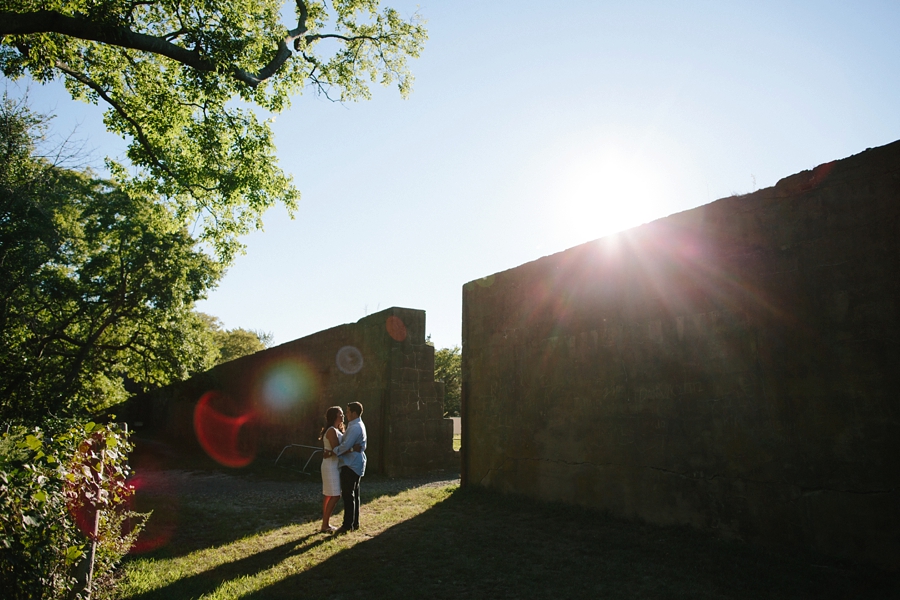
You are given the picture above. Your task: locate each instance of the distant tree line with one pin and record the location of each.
(235, 343)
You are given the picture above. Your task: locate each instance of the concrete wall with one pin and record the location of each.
(253, 406)
(735, 367)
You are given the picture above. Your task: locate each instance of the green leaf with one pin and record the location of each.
(33, 443)
(73, 554)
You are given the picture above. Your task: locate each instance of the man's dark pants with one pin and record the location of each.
(350, 494)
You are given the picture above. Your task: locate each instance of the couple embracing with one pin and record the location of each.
(343, 464)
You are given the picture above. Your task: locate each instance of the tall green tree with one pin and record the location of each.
(448, 368)
(235, 343)
(184, 81)
(97, 285)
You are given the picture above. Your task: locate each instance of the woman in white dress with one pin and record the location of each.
(331, 436)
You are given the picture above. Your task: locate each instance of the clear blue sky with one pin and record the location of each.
(536, 126)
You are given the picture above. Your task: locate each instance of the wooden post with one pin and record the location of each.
(84, 572)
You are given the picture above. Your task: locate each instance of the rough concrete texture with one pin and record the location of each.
(735, 367)
(257, 404)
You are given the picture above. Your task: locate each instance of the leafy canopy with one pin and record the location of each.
(181, 79)
(235, 343)
(97, 285)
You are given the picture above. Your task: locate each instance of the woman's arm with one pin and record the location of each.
(332, 439)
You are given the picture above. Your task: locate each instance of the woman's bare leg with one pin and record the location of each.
(328, 505)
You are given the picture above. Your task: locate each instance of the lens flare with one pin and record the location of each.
(396, 328)
(83, 513)
(153, 493)
(485, 281)
(229, 440)
(349, 360)
(286, 384)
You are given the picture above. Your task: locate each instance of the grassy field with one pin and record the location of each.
(255, 537)
(457, 442)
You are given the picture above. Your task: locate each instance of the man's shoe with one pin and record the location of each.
(341, 530)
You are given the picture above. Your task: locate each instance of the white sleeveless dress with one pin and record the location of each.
(331, 477)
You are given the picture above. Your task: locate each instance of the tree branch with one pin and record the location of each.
(48, 21)
(337, 36)
(320, 87)
(138, 130)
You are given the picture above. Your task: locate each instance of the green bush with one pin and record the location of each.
(52, 482)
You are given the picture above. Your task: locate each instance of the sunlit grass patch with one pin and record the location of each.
(259, 560)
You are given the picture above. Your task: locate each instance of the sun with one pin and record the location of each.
(605, 190)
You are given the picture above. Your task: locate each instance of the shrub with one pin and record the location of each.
(52, 483)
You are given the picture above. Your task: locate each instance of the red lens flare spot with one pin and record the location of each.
(153, 494)
(228, 439)
(83, 514)
(395, 328)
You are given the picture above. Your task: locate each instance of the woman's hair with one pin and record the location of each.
(331, 416)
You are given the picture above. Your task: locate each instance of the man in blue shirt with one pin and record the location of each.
(352, 465)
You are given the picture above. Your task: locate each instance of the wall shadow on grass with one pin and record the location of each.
(478, 544)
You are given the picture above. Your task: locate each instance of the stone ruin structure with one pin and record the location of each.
(735, 367)
(252, 407)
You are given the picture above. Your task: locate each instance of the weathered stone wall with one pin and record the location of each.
(257, 404)
(734, 367)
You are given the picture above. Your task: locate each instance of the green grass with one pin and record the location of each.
(457, 442)
(427, 540)
(258, 561)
